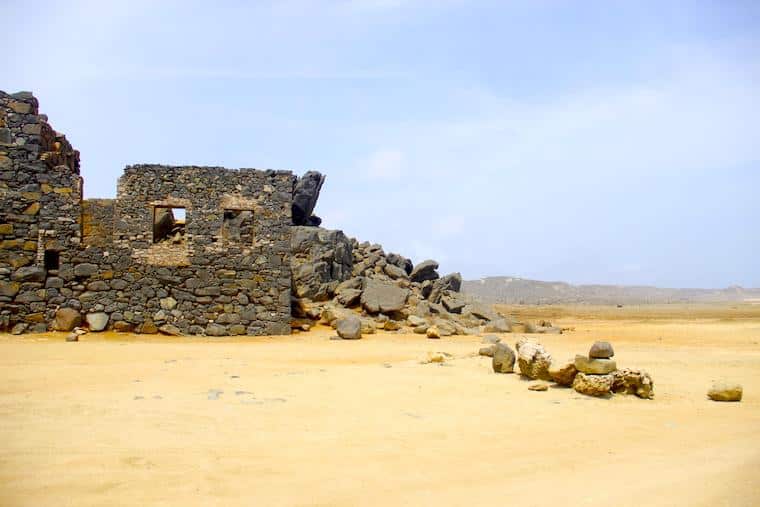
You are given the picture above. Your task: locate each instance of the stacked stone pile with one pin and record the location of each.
(595, 374)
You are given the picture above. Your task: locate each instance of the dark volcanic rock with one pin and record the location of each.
(383, 297)
(401, 262)
(450, 283)
(349, 328)
(425, 270)
(305, 195)
(321, 259)
(503, 358)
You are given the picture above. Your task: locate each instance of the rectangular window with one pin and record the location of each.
(169, 225)
(52, 260)
(238, 226)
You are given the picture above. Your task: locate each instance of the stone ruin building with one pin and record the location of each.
(188, 250)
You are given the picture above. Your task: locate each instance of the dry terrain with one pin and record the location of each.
(303, 420)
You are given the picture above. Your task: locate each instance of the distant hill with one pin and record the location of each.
(511, 290)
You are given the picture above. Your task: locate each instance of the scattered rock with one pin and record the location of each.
(435, 357)
(563, 373)
(594, 366)
(627, 381)
(349, 328)
(601, 350)
(533, 359)
(72, 337)
(433, 332)
(503, 358)
(490, 339)
(593, 385)
(725, 391)
(538, 386)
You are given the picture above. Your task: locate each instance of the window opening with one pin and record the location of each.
(169, 225)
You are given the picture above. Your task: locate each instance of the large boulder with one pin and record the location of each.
(725, 391)
(563, 372)
(453, 302)
(450, 283)
(533, 359)
(594, 366)
(593, 385)
(349, 297)
(383, 297)
(425, 270)
(321, 259)
(627, 381)
(503, 358)
(305, 195)
(67, 319)
(400, 261)
(349, 328)
(395, 272)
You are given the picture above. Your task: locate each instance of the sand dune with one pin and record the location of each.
(303, 420)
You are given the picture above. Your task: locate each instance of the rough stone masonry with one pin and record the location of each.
(190, 250)
(132, 263)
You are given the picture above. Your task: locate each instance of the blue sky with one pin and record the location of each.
(592, 142)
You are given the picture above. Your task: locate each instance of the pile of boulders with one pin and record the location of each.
(335, 277)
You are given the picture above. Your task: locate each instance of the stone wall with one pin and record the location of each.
(224, 269)
(40, 212)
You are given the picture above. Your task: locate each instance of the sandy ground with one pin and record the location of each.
(302, 420)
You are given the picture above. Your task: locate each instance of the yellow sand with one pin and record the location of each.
(302, 420)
